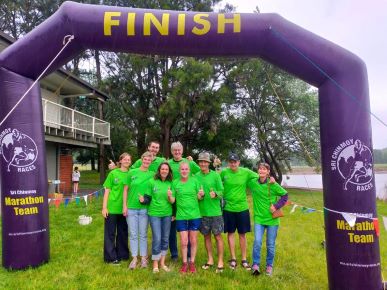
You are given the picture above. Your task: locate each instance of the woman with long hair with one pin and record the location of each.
(160, 197)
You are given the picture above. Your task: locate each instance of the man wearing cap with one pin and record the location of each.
(236, 211)
(211, 211)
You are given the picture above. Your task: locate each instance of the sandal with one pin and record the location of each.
(232, 264)
(219, 270)
(207, 266)
(246, 265)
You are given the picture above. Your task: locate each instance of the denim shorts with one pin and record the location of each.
(188, 225)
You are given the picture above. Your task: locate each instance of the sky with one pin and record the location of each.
(356, 25)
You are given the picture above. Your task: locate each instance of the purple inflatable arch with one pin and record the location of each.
(352, 252)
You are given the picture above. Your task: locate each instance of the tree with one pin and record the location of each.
(266, 97)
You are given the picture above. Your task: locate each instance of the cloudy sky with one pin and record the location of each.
(357, 25)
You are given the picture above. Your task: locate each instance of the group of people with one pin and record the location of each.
(180, 195)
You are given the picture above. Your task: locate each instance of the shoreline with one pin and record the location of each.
(311, 171)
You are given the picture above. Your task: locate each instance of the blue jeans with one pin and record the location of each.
(137, 220)
(160, 235)
(271, 235)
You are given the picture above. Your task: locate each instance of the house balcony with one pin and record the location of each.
(65, 125)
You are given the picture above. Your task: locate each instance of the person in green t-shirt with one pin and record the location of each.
(177, 153)
(136, 213)
(154, 148)
(116, 227)
(265, 203)
(187, 192)
(236, 211)
(211, 211)
(160, 196)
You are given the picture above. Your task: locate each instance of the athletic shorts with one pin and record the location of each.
(237, 221)
(188, 225)
(212, 224)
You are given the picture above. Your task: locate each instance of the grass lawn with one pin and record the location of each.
(76, 256)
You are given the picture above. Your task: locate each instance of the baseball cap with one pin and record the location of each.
(233, 157)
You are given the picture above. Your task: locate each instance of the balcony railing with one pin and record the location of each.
(74, 122)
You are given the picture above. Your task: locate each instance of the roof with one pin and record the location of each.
(69, 84)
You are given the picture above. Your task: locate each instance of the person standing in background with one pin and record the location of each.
(75, 179)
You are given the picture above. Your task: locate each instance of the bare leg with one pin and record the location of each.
(243, 245)
(231, 244)
(183, 245)
(208, 244)
(220, 248)
(193, 238)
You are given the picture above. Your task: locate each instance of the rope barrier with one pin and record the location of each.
(66, 41)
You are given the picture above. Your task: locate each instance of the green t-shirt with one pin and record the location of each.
(175, 165)
(137, 182)
(159, 205)
(187, 203)
(235, 184)
(115, 182)
(152, 167)
(210, 206)
(261, 201)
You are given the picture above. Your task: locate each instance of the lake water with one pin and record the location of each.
(315, 181)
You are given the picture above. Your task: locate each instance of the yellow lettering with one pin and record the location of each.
(26, 211)
(363, 239)
(131, 24)
(181, 24)
(8, 201)
(206, 25)
(108, 22)
(162, 26)
(236, 21)
(340, 224)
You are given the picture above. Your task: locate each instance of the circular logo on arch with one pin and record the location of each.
(18, 150)
(353, 160)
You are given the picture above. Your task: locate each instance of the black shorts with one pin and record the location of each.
(237, 221)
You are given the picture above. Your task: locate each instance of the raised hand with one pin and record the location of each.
(212, 193)
(201, 192)
(111, 165)
(189, 158)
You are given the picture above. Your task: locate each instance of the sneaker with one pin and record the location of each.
(192, 267)
(269, 270)
(133, 264)
(184, 268)
(144, 263)
(255, 270)
(116, 263)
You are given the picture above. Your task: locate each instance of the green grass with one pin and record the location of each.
(76, 257)
(89, 179)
